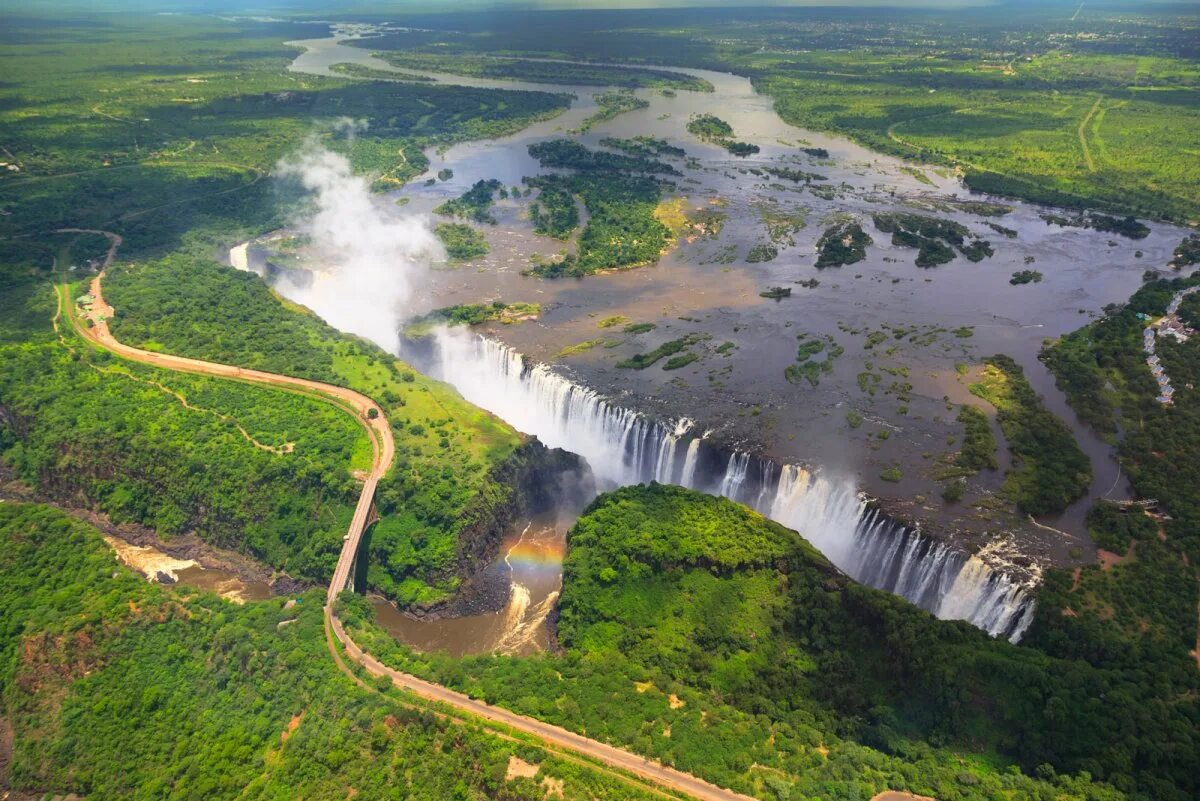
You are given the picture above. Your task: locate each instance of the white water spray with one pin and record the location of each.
(623, 447)
(371, 257)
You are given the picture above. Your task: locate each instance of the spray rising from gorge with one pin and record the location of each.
(371, 257)
(373, 260)
(624, 447)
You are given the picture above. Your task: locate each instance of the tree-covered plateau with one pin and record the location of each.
(695, 631)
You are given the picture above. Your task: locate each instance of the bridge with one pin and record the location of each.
(643, 772)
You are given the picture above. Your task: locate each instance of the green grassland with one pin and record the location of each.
(117, 688)
(446, 450)
(701, 634)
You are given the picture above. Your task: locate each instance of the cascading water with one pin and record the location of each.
(624, 447)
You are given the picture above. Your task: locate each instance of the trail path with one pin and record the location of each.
(1087, 153)
(554, 737)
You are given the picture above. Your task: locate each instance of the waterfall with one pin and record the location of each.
(625, 447)
(688, 477)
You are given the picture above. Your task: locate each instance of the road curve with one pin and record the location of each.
(384, 451)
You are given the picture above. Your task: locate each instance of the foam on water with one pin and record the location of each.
(625, 447)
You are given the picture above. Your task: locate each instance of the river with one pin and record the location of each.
(740, 399)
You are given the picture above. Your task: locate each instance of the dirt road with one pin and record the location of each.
(384, 451)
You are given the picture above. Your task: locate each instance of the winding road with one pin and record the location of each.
(372, 418)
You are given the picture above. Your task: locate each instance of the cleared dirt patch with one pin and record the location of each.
(520, 769)
(1108, 559)
(6, 747)
(896, 795)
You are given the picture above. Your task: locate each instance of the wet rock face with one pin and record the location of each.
(533, 481)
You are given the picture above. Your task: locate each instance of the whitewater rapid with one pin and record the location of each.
(625, 447)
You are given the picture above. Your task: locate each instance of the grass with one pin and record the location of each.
(580, 347)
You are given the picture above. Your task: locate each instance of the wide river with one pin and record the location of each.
(706, 286)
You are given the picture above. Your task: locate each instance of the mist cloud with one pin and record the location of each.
(368, 258)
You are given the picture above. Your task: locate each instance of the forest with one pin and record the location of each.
(1102, 370)
(98, 668)
(622, 231)
(462, 242)
(709, 128)
(104, 140)
(934, 239)
(841, 244)
(1049, 469)
(610, 105)
(448, 452)
(698, 632)
(264, 472)
(689, 629)
(475, 204)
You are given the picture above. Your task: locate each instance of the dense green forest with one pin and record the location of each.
(264, 471)
(116, 688)
(841, 244)
(448, 452)
(935, 240)
(1102, 370)
(1137, 610)
(1049, 469)
(622, 230)
(610, 105)
(474, 204)
(462, 242)
(698, 632)
(709, 128)
(555, 212)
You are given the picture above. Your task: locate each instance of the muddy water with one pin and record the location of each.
(531, 563)
(705, 286)
(156, 565)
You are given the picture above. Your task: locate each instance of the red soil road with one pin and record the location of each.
(384, 451)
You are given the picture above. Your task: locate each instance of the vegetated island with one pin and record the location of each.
(842, 243)
(621, 196)
(934, 239)
(462, 242)
(472, 314)
(710, 128)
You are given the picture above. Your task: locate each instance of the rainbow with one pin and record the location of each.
(536, 555)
